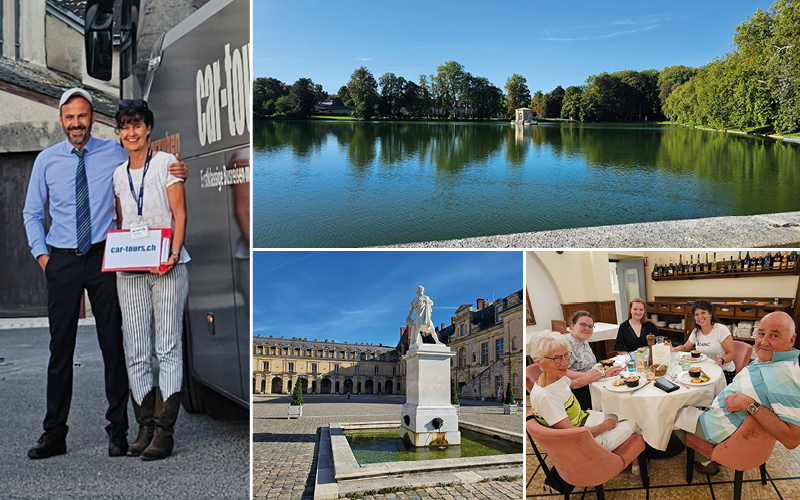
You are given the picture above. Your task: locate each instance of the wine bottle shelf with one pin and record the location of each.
(728, 274)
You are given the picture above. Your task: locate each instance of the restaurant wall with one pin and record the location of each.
(544, 296)
(580, 276)
(778, 286)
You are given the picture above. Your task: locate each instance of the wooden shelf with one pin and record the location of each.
(729, 274)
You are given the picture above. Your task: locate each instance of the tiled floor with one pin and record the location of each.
(669, 481)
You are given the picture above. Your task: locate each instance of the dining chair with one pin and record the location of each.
(742, 352)
(532, 373)
(749, 447)
(580, 460)
(558, 325)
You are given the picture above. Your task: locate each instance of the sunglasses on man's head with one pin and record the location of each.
(124, 103)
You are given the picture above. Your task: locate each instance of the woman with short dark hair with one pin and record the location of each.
(711, 338)
(149, 197)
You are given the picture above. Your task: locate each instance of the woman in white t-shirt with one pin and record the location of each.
(149, 197)
(711, 338)
(554, 405)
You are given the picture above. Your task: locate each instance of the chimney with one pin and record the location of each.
(442, 326)
(315, 340)
(452, 320)
(436, 329)
(481, 304)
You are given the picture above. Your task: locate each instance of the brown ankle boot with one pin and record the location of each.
(145, 417)
(165, 416)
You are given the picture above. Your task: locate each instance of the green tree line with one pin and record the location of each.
(756, 85)
(449, 92)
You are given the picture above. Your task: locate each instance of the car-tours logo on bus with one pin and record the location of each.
(215, 101)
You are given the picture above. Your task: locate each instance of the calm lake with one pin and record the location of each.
(353, 184)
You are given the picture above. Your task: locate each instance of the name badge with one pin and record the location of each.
(139, 231)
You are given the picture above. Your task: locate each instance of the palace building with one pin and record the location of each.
(487, 340)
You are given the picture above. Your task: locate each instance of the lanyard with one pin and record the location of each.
(140, 199)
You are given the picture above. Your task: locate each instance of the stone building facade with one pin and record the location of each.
(325, 367)
(487, 340)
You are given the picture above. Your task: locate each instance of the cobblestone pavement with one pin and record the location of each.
(283, 450)
(491, 489)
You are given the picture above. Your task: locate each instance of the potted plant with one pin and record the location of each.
(296, 408)
(454, 396)
(509, 405)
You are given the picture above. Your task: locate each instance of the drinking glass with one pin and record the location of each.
(631, 361)
(686, 363)
(650, 373)
(660, 339)
(640, 358)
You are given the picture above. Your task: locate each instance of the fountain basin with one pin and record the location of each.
(383, 445)
(339, 473)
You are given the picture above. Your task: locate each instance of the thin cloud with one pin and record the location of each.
(363, 59)
(552, 39)
(627, 32)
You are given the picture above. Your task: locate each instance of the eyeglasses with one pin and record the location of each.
(558, 359)
(125, 103)
(591, 327)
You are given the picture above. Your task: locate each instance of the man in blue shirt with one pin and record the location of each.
(768, 389)
(71, 256)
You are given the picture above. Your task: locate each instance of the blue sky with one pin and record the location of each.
(364, 296)
(549, 43)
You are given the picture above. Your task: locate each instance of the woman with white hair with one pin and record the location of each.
(554, 405)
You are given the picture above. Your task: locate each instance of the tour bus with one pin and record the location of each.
(198, 86)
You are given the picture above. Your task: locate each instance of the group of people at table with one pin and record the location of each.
(768, 388)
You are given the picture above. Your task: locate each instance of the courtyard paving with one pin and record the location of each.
(284, 451)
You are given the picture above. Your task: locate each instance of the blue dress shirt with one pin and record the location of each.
(53, 178)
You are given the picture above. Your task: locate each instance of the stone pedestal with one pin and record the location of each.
(428, 398)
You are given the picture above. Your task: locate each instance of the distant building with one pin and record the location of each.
(326, 367)
(487, 340)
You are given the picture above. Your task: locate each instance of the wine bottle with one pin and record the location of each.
(768, 261)
(707, 267)
(746, 264)
(724, 267)
(655, 269)
(680, 264)
(691, 264)
(671, 268)
(776, 264)
(759, 263)
(714, 266)
(785, 260)
(792, 260)
(739, 262)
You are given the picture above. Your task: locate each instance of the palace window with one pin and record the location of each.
(336, 369)
(313, 368)
(377, 370)
(484, 353)
(291, 367)
(498, 348)
(462, 330)
(358, 369)
(266, 366)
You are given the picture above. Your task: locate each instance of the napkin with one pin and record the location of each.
(687, 417)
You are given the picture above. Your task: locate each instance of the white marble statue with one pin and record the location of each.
(422, 306)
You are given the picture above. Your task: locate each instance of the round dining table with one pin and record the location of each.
(653, 409)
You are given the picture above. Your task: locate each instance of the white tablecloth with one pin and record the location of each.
(604, 331)
(653, 409)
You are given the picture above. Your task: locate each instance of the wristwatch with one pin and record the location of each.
(753, 408)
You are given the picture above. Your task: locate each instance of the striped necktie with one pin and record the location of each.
(83, 220)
